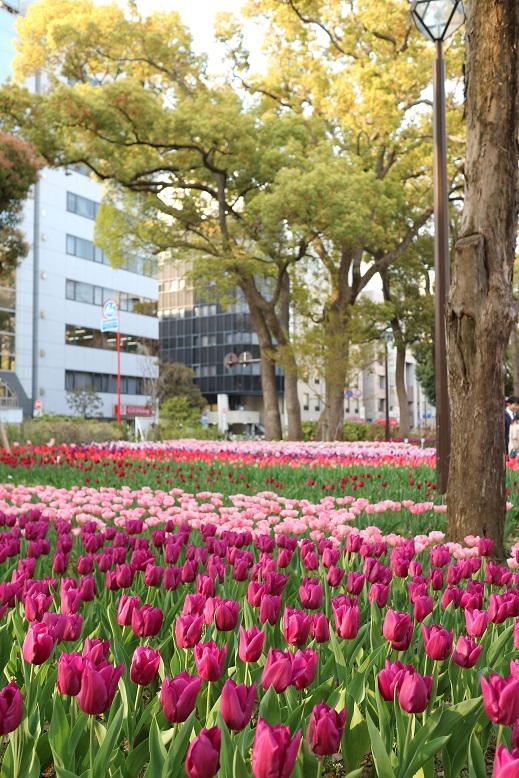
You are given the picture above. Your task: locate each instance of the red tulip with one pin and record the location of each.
(11, 708)
(178, 696)
(236, 704)
(145, 665)
(98, 687)
(274, 752)
(325, 729)
(203, 754)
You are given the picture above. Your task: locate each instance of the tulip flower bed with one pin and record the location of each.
(169, 632)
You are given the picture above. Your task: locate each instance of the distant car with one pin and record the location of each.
(393, 421)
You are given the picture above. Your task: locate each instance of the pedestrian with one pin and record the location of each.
(512, 408)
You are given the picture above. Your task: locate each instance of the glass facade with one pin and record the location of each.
(75, 335)
(96, 295)
(85, 249)
(103, 382)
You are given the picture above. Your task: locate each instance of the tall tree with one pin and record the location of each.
(481, 309)
(18, 172)
(356, 66)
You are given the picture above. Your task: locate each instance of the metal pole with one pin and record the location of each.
(442, 271)
(118, 376)
(386, 384)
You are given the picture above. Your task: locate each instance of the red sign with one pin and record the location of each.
(134, 410)
(38, 405)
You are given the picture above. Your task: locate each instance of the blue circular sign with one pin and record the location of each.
(110, 309)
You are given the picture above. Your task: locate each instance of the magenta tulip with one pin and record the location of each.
(501, 698)
(311, 593)
(226, 615)
(251, 644)
(145, 665)
(319, 627)
(325, 728)
(270, 607)
(278, 670)
(203, 754)
(466, 653)
(38, 644)
(476, 622)
(398, 629)
(209, 660)
(391, 677)
(70, 670)
(236, 704)
(414, 693)
(296, 626)
(11, 708)
(304, 666)
(274, 752)
(96, 650)
(188, 630)
(147, 621)
(126, 606)
(98, 687)
(506, 764)
(178, 696)
(437, 641)
(347, 621)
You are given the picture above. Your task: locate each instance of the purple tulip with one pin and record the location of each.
(236, 704)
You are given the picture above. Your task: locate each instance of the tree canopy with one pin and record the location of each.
(19, 167)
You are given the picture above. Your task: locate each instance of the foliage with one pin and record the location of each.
(64, 430)
(18, 172)
(176, 380)
(84, 402)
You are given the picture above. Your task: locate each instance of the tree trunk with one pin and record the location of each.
(401, 391)
(271, 415)
(480, 308)
(514, 345)
(281, 331)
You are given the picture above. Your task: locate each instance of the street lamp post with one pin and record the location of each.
(437, 20)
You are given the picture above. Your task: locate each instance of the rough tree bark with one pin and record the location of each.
(480, 309)
(401, 391)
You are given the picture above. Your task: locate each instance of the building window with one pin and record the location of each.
(381, 405)
(92, 338)
(80, 247)
(317, 406)
(96, 295)
(382, 382)
(306, 401)
(82, 206)
(102, 382)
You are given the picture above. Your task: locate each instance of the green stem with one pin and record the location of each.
(319, 768)
(92, 741)
(208, 706)
(407, 737)
(500, 730)
(138, 697)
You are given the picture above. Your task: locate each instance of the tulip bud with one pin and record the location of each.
(236, 704)
(506, 764)
(210, 660)
(437, 641)
(270, 607)
(96, 650)
(296, 626)
(304, 665)
(188, 630)
(398, 630)
(11, 708)
(415, 692)
(501, 698)
(319, 627)
(347, 621)
(274, 752)
(203, 754)
(126, 606)
(467, 652)
(226, 615)
(325, 729)
(278, 670)
(98, 687)
(70, 670)
(145, 665)
(178, 696)
(147, 621)
(251, 644)
(38, 644)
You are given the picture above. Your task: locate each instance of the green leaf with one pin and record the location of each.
(476, 759)
(62, 773)
(269, 707)
(495, 651)
(178, 749)
(425, 752)
(380, 755)
(226, 751)
(355, 741)
(341, 670)
(137, 758)
(158, 752)
(59, 734)
(104, 755)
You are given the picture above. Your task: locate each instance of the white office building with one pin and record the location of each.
(52, 311)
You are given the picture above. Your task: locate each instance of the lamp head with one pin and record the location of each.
(438, 19)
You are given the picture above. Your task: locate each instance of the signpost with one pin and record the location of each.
(110, 323)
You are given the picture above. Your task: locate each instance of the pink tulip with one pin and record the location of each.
(501, 698)
(251, 644)
(274, 752)
(278, 670)
(210, 660)
(11, 708)
(325, 728)
(178, 696)
(203, 754)
(414, 692)
(466, 652)
(437, 641)
(236, 704)
(98, 687)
